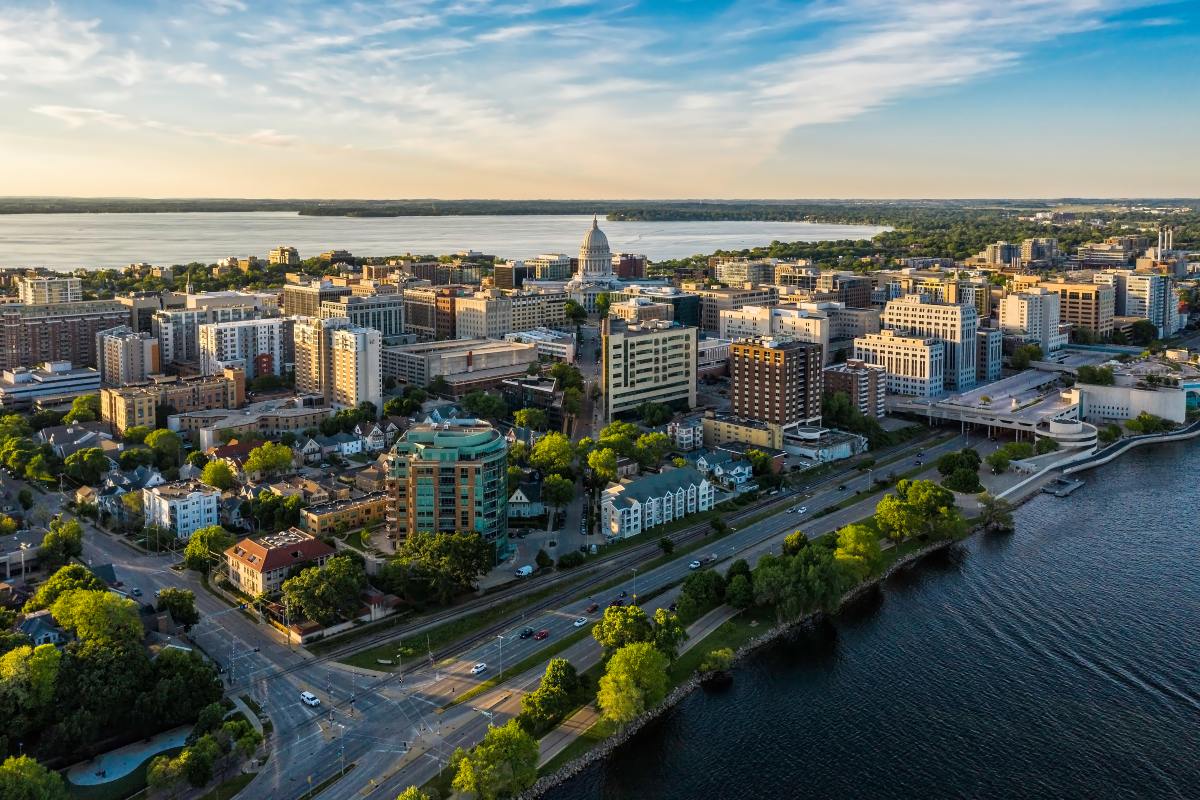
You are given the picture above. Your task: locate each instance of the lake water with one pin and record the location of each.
(69, 241)
(1058, 662)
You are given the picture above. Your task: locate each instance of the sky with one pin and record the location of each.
(607, 99)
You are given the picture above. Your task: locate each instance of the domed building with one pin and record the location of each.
(595, 272)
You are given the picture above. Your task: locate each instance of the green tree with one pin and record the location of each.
(86, 465)
(98, 616)
(205, 546)
(484, 405)
(654, 414)
(436, 566)
(740, 592)
(164, 774)
(717, 660)
(651, 448)
(197, 459)
(85, 408)
(634, 680)
(66, 579)
(557, 491)
(566, 375)
(575, 313)
(572, 401)
(794, 542)
(603, 303)
(269, 458)
(166, 445)
(669, 632)
(555, 696)
(438, 386)
(181, 603)
(667, 545)
(133, 457)
(218, 475)
(995, 514)
(1023, 355)
(1143, 332)
(963, 480)
(23, 778)
(603, 464)
(61, 543)
(998, 461)
(543, 559)
(858, 551)
(323, 594)
(25, 498)
(14, 426)
(42, 468)
(532, 418)
(503, 764)
(136, 434)
(199, 759)
(413, 793)
(1044, 446)
(760, 462)
(553, 454)
(622, 625)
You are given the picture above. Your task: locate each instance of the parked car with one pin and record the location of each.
(526, 633)
(310, 699)
(478, 668)
(542, 634)
(694, 565)
(592, 609)
(581, 621)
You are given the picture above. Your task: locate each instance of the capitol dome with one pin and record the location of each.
(595, 258)
(594, 241)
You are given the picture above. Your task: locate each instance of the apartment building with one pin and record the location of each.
(182, 507)
(641, 309)
(629, 266)
(465, 364)
(715, 300)
(61, 331)
(346, 514)
(650, 362)
(510, 275)
(259, 565)
(551, 267)
(915, 365)
(264, 420)
(449, 477)
(128, 406)
(255, 345)
(355, 369)
(1039, 251)
(865, 384)
(284, 256)
(34, 291)
(534, 309)
(305, 299)
(776, 380)
(1087, 306)
(854, 291)
(178, 330)
(123, 356)
(954, 325)
(1033, 314)
(144, 305)
(628, 509)
(800, 275)
(740, 271)
(383, 312)
(429, 311)
(1145, 295)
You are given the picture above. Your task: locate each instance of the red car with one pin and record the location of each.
(542, 634)
(593, 608)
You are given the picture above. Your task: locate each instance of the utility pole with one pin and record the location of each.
(501, 638)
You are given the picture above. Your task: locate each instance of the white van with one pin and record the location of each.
(524, 572)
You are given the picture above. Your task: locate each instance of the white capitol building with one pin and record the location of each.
(595, 274)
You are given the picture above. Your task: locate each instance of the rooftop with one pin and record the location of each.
(277, 550)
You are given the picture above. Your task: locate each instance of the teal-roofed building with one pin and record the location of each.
(448, 477)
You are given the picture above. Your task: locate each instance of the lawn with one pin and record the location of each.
(228, 789)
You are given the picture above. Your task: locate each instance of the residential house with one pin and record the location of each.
(626, 467)
(259, 565)
(118, 483)
(373, 436)
(627, 509)
(42, 628)
(687, 433)
(738, 450)
(526, 501)
(181, 507)
(724, 468)
(67, 439)
(372, 478)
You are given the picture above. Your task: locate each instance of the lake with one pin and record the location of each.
(69, 241)
(1058, 662)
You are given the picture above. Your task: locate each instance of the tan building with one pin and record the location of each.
(42, 291)
(776, 380)
(350, 514)
(284, 255)
(128, 406)
(641, 309)
(356, 372)
(1090, 306)
(915, 365)
(213, 426)
(715, 300)
(124, 357)
(650, 362)
(304, 300)
(261, 564)
(722, 429)
(312, 341)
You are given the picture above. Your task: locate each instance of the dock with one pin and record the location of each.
(1061, 487)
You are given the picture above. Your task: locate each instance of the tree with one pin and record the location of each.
(717, 660)
(532, 418)
(133, 457)
(622, 625)
(603, 303)
(14, 426)
(85, 408)
(555, 696)
(42, 468)
(198, 760)
(438, 386)
(634, 681)
(666, 545)
(654, 414)
(575, 313)
(1143, 332)
(269, 458)
(412, 793)
(23, 778)
(652, 448)
(323, 594)
(62, 542)
(1100, 376)
(503, 764)
(794, 542)
(669, 632)
(86, 465)
(572, 401)
(998, 461)
(437, 566)
(701, 590)
(557, 491)
(167, 445)
(603, 464)
(1024, 354)
(205, 547)
(181, 603)
(995, 514)
(553, 454)
(197, 459)
(1044, 446)
(543, 559)
(760, 462)
(484, 405)
(164, 774)
(136, 434)
(218, 475)
(8, 525)
(98, 616)
(567, 375)
(963, 480)
(25, 498)
(858, 551)
(66, 579)
(740, 592)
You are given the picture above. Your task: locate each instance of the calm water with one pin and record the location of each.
(1059, 662)
(68, 241)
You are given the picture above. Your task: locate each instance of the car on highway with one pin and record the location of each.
(525, 633)
(542, 634)
(581, 621)
(479, 668)
(694, 565)
(592, 609)
(310, 699)
(136, 592)
(616, 601)
(802, 510)
(842, 488)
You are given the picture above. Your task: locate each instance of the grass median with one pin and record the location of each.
(530, 661)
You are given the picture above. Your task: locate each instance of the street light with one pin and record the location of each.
(500, 638)
(24, 547)
(634, 581)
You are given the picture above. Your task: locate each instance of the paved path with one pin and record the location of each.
(120, 762)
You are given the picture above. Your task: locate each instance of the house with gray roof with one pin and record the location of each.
(41, 628)
(628, 508)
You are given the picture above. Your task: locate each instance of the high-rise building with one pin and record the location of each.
(628, 266)
(1087, 306)
(790, 321)
(1033, 314)
(915, 365)
(255, 345)
(776, 380)
(865, 384)
(1000, 254)
(123, 356)
(989, 354)
(1146, 295)
(429, 311)
(144, 305)
(491, 314)
(740, 271)
(178, 330)
(284, 255)
(383, 312)
(953, 324)
(801, 275)
(715, 300)
(685, 306)
(357, 376)
(1039, 251)
(65, 331)
(44, 291)
(650, 362)
(313, 346)
(854, 291)
(550, 267)
(304, 299)
(510, 275)
(449, 477)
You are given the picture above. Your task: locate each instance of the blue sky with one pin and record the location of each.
(571, 98)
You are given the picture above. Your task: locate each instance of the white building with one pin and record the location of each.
(178, 330)
(255, 345)
(42, 291)
(181, 507)
(712, 356)
(794, 321)
(953, 325)
(594, 274)
(628, 509)
(651, 362)
(1034, 315)
(551, 344)
(356, 367)
(687, 433)
(1147, 295)
(21, 386)
(915, 365)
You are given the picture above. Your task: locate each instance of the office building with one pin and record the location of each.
(1086, 306)
(641, 309)
(356, 372)
(486, 314)
(430, 311)
(955, 325)
(1033, 315)
(740, 271)
(550, 267)
(715, 300)
(915, 365)
(776, 380)
(182, 507)
(465, 364)
(305, 299)
(383, 312)
(865, 384)
(449, 477)
(551, 345)
(178, 330)
(55, 380)
(510, 275)
(128, 406)
(259, 565)
(989, 356)
(797, 274)
(284, 255)
(1145, 295)
(790, 321)
(344, 514)
(144, 305)
(254, 345)
(628, 266)
(123, 356)
(685, 306)
(628, 509)
(853, 291)
(38, 290)
(533, 309)
(1115, 251)
(30, 334)
(999, 254)
(1040, 252)
(712, 356)
(650, 362)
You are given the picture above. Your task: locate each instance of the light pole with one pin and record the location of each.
(500, 638)
(634, 582)
(24, 547)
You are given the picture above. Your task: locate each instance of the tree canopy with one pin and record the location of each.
(218, 474)
(269, 458)
(205, 546)
(324, 594)
(634, 680)
(503, 764)
(65, 579)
